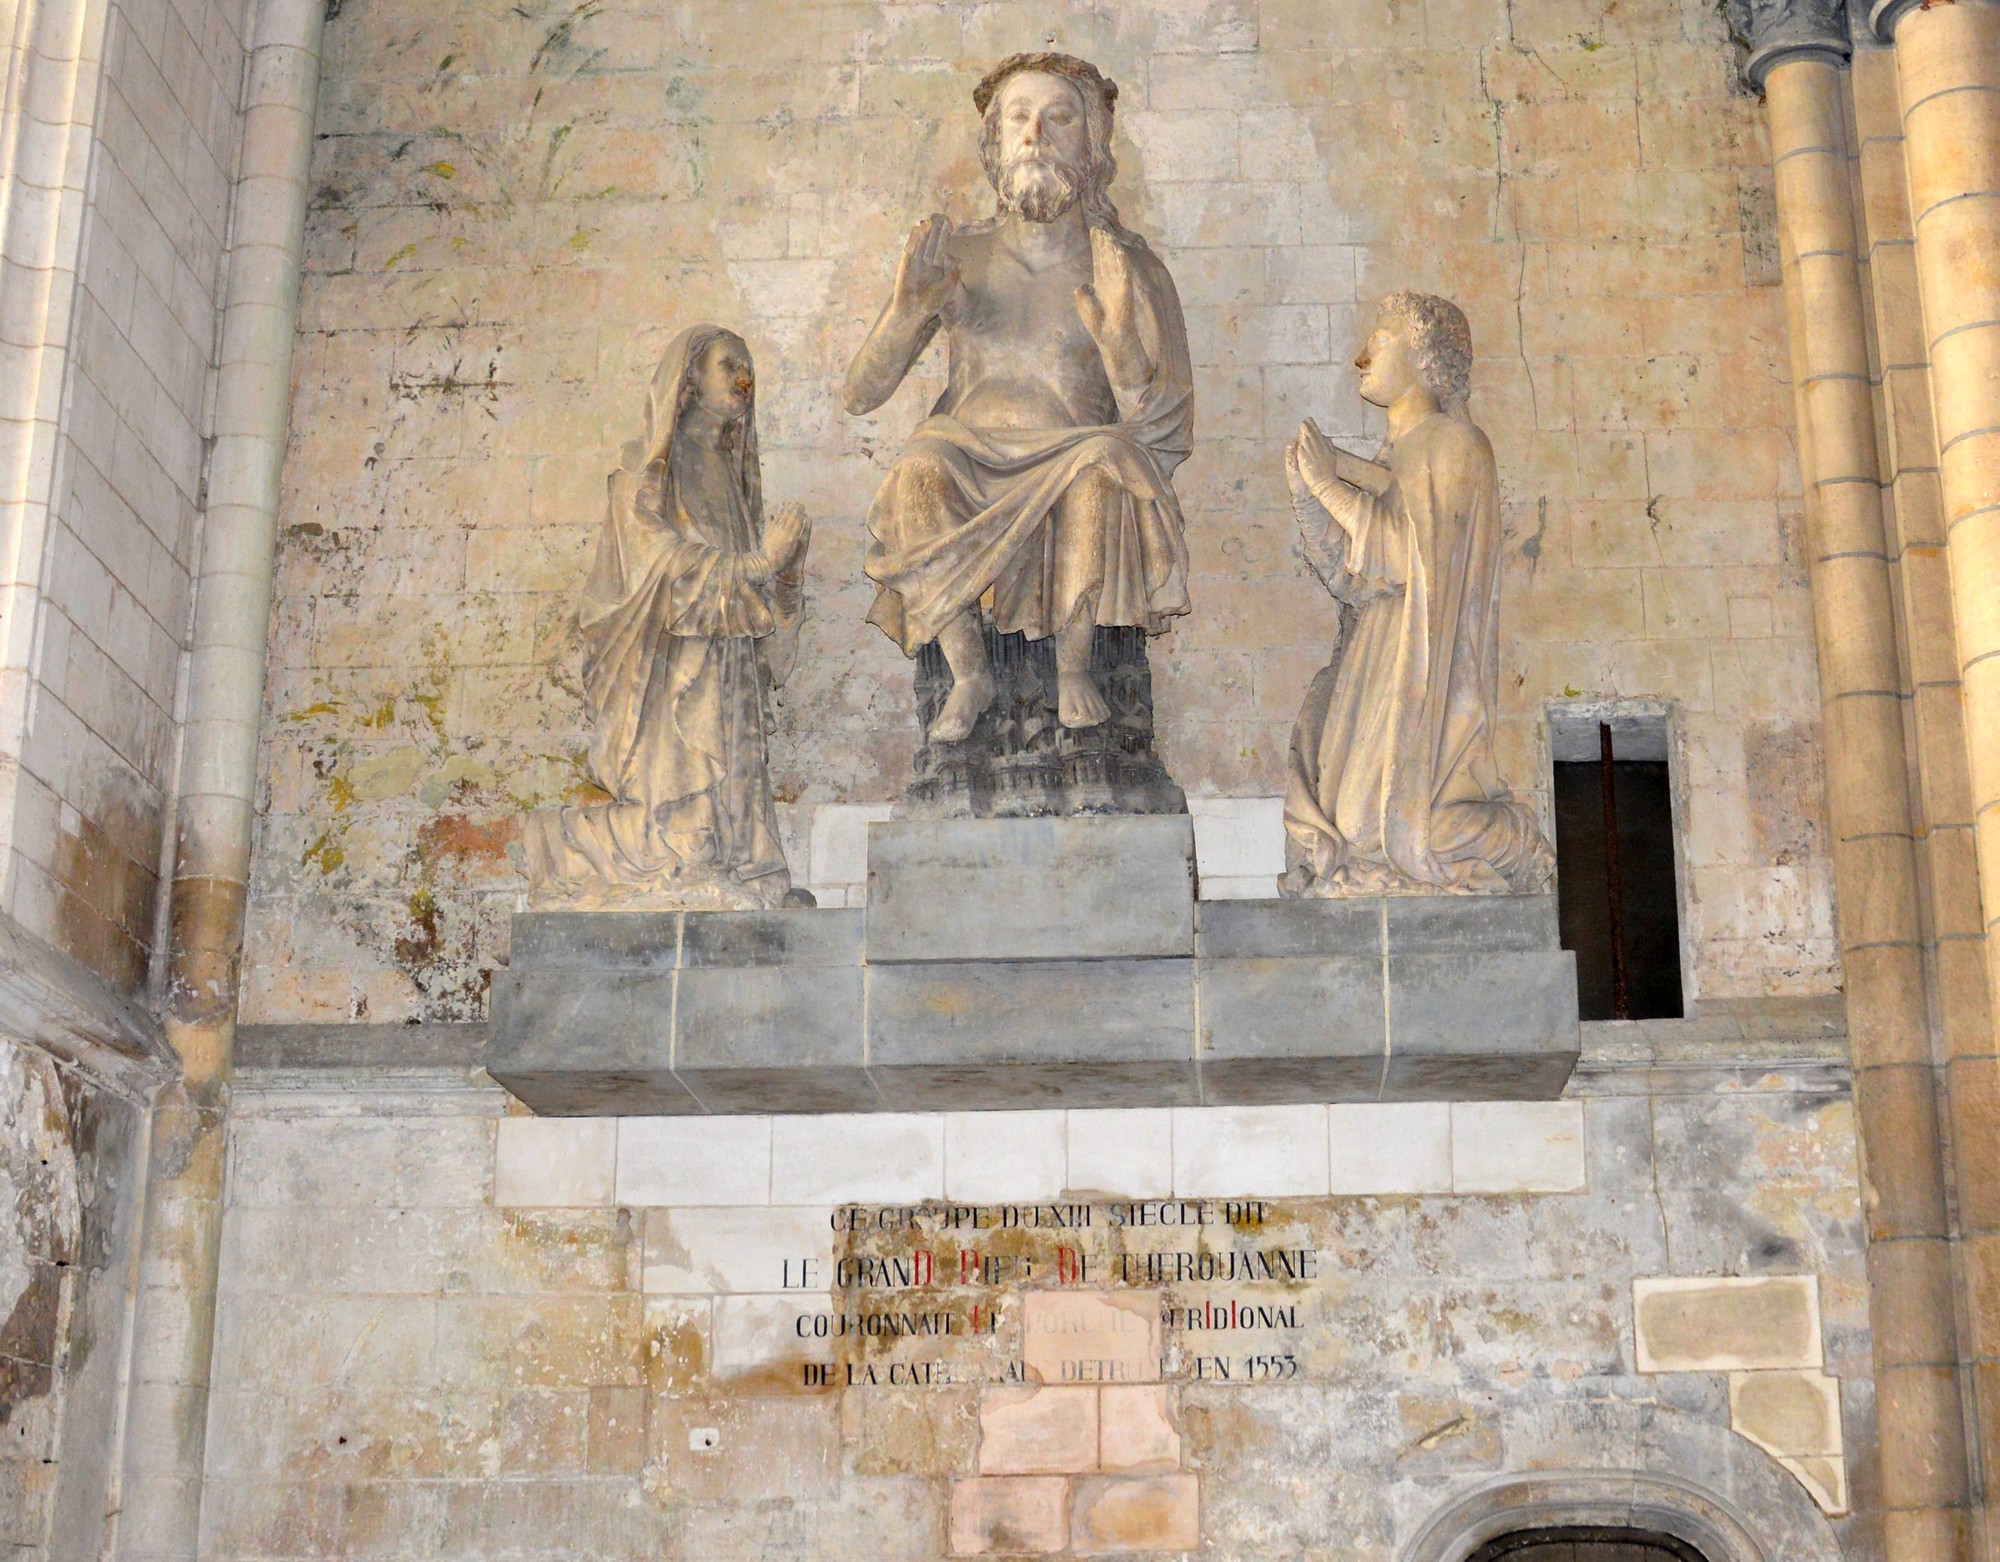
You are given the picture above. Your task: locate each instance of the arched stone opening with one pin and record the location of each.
(1668, 1513)
(1586, 1543)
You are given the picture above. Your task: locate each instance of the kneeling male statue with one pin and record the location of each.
(1040, 485)
(1392, 785)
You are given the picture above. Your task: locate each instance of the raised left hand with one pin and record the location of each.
(1108, 307)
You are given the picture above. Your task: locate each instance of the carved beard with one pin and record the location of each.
(1040, 188)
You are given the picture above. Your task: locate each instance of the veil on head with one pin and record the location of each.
(650, 457)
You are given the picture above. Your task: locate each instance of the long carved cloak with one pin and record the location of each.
(1392, 783)
(676, 677)
(991, 528)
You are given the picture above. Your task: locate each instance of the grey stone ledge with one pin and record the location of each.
(1785, 1045)
(1234, 1002)
(52, 1001)
(1795, 1045)
(261, 1048)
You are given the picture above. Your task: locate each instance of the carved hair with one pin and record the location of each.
(1442, 337)
(1100, 98)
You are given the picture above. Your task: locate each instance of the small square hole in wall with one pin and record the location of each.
(1616, 894)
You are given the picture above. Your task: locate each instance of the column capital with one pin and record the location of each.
(1883, 15)
(1781, 30)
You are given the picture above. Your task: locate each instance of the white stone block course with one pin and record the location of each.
(1378, 1148)
(1517, 1147)
(1238, 838)
(1123, 1153)
(694, 1160)
(1004, 1157)
(837, 850)
(1250, 1151)
(891, 1159)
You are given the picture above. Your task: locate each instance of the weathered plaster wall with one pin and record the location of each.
(111, 570)
(515, 210)
(446, 1328)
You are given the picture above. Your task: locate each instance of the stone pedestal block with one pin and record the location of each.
(1031, 889)
(1013, 963)
(659, 1013)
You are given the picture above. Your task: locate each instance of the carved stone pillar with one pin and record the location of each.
(160, 1496)
(1948, 73)
(1798, 51)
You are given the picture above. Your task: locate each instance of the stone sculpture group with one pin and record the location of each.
(1024, 545)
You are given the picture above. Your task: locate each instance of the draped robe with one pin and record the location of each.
(681, 646)
(1391, 783)
(970, 511)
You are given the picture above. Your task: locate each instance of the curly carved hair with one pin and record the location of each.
(1442, 337)
(1100, 99)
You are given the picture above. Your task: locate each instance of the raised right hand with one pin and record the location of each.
(928, 270)
(785, 536)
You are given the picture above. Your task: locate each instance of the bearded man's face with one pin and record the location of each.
(1044, 145)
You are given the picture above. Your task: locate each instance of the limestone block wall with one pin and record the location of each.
(1218, 1333)
(100, 575)
(514, 212)
(119, 146)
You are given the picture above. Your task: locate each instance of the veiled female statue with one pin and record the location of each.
(690, 617)
(1392, 786)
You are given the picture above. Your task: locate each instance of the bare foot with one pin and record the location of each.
(962, 707)
(1078, 701)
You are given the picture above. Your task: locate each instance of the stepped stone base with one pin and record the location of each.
(998, 966)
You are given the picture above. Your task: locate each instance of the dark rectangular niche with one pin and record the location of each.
(1645, 864)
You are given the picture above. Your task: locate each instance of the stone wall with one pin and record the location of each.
(121, 148)
(66, 1196)
(110, 574)
(515, 211)
(1226, 1333)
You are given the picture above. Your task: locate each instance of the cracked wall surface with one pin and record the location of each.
(514, 211)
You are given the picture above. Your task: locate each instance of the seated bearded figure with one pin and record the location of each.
(1038, 488)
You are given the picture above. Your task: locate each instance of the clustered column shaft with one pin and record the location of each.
(1875, 859)
(1948, 73)
(160, 1513)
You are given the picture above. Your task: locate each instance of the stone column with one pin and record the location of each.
(1948, 73)
(1798, 53)
(173, 1327)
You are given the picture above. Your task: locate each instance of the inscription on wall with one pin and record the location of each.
(1139, 1291)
